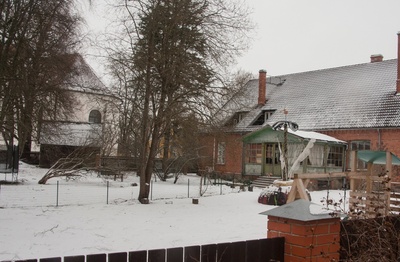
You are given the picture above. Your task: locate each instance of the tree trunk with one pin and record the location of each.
(165, 162)
(27, 148)
(144, 159)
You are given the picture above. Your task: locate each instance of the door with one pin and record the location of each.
(272, 163)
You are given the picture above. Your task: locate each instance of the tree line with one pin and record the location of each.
(169, 61)
(37, 39)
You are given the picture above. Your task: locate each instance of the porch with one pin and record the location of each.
(263, 153)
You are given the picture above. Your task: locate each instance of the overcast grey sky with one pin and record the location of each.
(302, 35)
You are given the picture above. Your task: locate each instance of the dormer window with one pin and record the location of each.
(95, 117)
(263, 117)
(236, 118)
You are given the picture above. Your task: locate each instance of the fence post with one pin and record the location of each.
(108, 186)
(151, 189)
(188, 186)
(57, 193)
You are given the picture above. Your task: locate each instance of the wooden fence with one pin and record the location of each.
(372, 192)
(268, 249)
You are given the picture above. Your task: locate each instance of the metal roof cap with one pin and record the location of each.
(301, 210)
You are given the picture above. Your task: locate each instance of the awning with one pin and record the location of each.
(376, 157)
(268, 134)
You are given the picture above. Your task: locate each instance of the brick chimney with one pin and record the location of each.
(376, 58)
(398, 64)
(262, 83)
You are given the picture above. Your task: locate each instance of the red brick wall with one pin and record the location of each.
(307, 241)
(233, 153)
(381, 139)
(206, 151)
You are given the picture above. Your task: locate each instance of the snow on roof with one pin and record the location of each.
(348, 97)
(267, 133)
(315, 135)
(70, 134)
(85, 79)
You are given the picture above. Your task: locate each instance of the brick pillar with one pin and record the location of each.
(308, 236)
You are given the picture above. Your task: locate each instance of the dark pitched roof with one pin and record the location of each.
(84, 79)
(348, 97)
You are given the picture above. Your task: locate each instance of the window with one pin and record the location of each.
(272, 154)
(316, 156)
(241, 116)
(221, 153)
(269, 154)
(236, 118)
(335, 157)
(95, 117)
(253, 153)
(360, 145)
(263, 117)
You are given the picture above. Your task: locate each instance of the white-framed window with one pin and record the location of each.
(263, 117)
(254, 153)
(335, 156)
(237, 117)
(241, 116)
(221, 153)
(360, 145)
(95, 117)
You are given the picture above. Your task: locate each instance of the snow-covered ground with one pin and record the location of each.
(33, 226)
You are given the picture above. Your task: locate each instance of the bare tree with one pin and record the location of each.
(175, 51)
(71, 166)
(129, 109)
(372, 239)
(180, 147)
(35, 38)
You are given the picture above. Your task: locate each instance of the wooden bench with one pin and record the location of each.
(104, 171)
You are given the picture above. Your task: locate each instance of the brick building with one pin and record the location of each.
(358, 104)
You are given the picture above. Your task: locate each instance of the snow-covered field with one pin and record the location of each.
(32, 226)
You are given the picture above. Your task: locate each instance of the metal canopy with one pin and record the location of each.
(267, 134)
(376, 157)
